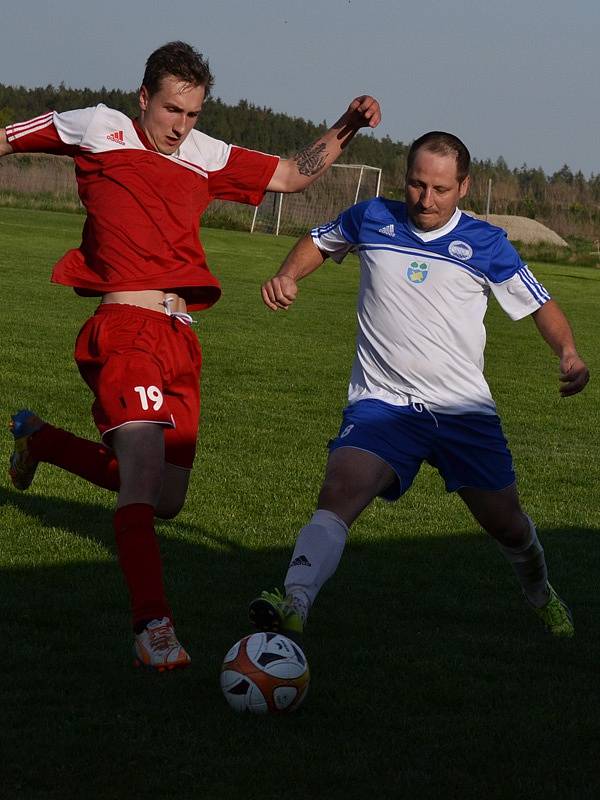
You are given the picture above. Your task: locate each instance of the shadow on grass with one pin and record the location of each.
(430, 676)
(574, 277)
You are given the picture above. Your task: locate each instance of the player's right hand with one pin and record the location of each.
(364, 112)
(574, 375)
(279, 292)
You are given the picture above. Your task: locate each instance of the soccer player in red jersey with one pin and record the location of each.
(145, 184)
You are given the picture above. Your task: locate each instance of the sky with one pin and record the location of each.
(514, 78)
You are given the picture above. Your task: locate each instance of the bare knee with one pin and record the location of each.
(168, 509)
(139, 448)
(174, 491)
(336, 489)
(353, 479)
(499, 513)
(511, 530)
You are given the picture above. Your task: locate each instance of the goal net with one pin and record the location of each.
(293, 214)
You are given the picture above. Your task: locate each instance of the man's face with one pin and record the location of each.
(169, 114)
(433, 189)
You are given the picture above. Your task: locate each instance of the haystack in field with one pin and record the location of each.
(523, 229)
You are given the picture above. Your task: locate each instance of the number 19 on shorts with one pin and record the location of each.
(149, 395)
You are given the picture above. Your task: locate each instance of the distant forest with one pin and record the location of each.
(568, 202)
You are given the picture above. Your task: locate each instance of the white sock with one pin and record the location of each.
(316, 556)
(529, 564)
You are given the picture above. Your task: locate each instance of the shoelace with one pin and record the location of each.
(162, 638)
(295, 604)
(555, 612)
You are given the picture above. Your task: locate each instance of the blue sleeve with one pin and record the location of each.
(350, 221)
(505, 262)
(514, 286)
(340, 237)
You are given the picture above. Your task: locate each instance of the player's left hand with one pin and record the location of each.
(364, 112)
(574, 375)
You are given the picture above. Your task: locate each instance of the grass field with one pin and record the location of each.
(430, 679)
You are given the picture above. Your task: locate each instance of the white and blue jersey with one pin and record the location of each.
(422, 302)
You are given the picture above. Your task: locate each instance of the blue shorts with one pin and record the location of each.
(468, 450)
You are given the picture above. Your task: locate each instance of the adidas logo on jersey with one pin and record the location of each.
(387, 230)
(116, 136)
(301, 561)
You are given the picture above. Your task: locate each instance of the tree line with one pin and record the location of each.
(567, 201)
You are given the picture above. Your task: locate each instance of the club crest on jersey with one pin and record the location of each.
(416, 273)
(460, 250)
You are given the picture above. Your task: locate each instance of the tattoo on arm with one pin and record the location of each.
(311, 160)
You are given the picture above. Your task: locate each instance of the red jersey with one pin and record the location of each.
(143, 207)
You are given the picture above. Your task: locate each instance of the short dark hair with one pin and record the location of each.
(445, 144)
(180, 60)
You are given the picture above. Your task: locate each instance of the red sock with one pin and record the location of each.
(139, 556)
(89, 460)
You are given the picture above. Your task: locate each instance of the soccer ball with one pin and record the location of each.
(265, 673)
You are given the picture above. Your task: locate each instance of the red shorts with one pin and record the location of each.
(143, 366)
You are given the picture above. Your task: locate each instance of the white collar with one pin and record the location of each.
(429, 236)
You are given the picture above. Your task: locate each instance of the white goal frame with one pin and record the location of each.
(362, 168)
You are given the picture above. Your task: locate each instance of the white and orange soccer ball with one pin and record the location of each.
(265, 673)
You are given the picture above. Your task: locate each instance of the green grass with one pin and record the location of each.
(430, 677)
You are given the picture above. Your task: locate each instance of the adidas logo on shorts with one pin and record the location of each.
(301, 561)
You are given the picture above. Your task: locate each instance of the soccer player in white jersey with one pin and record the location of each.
(417, 391)
(145, 184)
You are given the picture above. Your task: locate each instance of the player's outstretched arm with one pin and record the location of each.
(555, 329)
(5, 147)
(281, 290)
(295, 174)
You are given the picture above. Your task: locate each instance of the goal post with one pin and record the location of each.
(292, 214)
